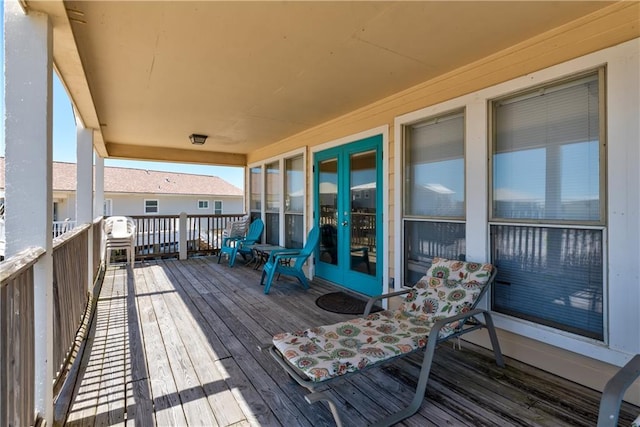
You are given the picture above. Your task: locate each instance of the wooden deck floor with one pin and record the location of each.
(174, 343)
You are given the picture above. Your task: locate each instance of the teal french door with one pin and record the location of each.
(348, 210)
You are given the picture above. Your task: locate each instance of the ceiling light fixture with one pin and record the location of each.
(197, 139)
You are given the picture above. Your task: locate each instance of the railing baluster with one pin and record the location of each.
(158, 235)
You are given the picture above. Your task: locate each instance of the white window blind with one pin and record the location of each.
(547, 169)
(546, 162)
(434, 168)
(272, 202)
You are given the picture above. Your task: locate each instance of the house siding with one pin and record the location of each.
(172, 205)
(610, 37)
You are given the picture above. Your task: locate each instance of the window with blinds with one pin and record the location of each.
(548, 205)
(255, 192)
(294, 202)
(272, 203)
(434, 210)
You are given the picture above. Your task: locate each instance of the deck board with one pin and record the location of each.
(176, 343)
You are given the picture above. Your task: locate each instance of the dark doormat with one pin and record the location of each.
(344, 303)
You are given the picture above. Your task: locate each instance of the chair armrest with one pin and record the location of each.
(243, 242)
(279, 254)
(462, 318)
(373, 300)
(456, 317)
(226, 240)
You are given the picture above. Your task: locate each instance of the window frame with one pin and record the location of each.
(157, 207)
(602, 152)
(253, 213)
(221, 208)
(291, 213)
(621, 235)
(405, 128)
(202, 202)
(281, 188)
(600, 225)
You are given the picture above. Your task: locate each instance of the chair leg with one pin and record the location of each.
(421, 389)
(232, 256)
(303, 280)
(488, 322)
(267, 286)
(319, 396)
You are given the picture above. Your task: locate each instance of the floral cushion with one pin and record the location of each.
(330, 351)
(447, 289)
(460, 270)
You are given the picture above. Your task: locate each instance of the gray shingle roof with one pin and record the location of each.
(127, 180)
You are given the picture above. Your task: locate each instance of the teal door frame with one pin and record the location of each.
(341, 271)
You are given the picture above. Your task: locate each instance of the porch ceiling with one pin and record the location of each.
(148, 74)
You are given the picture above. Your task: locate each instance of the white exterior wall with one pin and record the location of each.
(66, 205)
(622, 234)
(128, 204)
(172, 205)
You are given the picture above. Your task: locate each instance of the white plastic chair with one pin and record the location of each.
(118, 232)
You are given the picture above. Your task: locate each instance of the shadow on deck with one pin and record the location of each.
(175, 343)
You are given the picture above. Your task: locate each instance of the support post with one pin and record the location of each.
(183, 232)
(28, 69)
(84, 191)
(98, 201)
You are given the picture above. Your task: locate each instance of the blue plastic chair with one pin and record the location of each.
(232, 246)
(280, 261)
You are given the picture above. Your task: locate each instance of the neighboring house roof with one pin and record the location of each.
(128, 180)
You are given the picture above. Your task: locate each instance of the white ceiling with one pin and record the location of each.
(249, 74)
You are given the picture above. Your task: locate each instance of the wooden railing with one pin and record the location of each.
(159, 236)
(97, 246)
(17, 366)
(204, 232)
(70, 291)
(70, 258)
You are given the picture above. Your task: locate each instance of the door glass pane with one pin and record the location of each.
(328, 200)
(363, 212)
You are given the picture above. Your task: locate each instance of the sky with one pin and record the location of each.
(64, 135)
